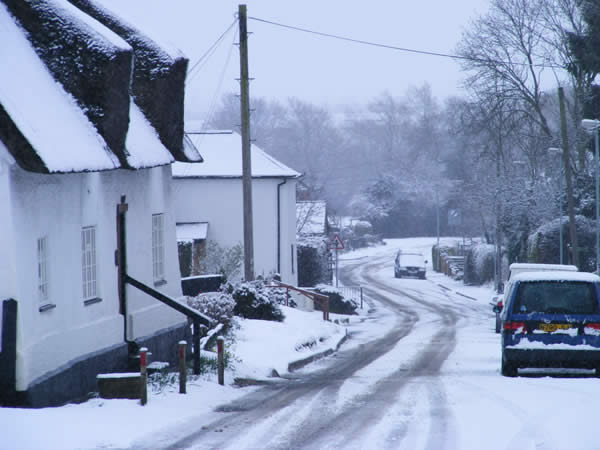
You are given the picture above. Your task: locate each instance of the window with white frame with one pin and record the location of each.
(42, 265)
(158, 247)
(89, 268)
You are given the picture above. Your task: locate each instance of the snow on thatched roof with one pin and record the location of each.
(222, 154)
(35, 112)
(65, 103)
(158, 84)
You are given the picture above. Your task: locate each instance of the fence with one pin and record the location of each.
(353, 293)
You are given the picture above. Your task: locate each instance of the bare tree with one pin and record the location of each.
(504, 51)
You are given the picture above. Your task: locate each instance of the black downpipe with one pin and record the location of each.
(279, 225)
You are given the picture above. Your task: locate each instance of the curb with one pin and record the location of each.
(295, 365)
(456, 292)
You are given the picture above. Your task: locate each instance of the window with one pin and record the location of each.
(158, 248)
(88, 258)
(556, 297)
(42, 265)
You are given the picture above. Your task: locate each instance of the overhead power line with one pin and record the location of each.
(212, 48)
(393, 47)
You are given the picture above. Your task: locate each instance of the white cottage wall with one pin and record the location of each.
(218, 201)
(289, 263)
(57, 207)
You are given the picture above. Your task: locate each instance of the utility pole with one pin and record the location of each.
(567, 167)
(246, 162)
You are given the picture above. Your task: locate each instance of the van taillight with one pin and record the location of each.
(514, 326)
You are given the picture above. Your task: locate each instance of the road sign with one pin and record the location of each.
(336, 242)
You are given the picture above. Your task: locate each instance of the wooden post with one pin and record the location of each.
(197, 334)
(567, 167)
(361, 297)
(143, 376)
(182, 367)
(246, 162)
(221, 360)
(8, 355)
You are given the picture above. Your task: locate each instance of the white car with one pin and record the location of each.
(409, 265)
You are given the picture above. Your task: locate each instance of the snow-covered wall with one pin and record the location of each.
(218, 201)
(57, 207)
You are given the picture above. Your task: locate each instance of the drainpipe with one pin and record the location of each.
(279, 225)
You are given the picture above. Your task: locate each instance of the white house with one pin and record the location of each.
(209, 196)
(73, 141)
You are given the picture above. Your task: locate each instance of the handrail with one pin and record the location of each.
(175, 304)
(312, 295)
(196, 316)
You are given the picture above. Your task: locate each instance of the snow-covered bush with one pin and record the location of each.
(254, 301)
(362, 227)
(543, 245)
(337, 303)
(313, 267)
(219, 306)
(224, 260)
(479, 264)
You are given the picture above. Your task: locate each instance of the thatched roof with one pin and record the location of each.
(68, 103)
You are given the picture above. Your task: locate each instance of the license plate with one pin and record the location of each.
(550, 327)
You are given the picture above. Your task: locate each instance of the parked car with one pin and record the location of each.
(551, 319)
(410, 265)
(516, 268)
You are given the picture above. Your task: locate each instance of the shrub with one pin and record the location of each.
(313, 267)
(253, 301)
(216, 305)
(543, 244)
(337, 303)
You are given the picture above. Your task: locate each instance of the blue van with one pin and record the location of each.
(551, 319)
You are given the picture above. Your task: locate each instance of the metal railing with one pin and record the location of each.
(320, 299)
(352, 292)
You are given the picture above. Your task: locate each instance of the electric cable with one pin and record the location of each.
(211, 49)
(393, 47)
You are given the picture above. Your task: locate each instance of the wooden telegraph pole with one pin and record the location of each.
(567, 167)
(246, 164)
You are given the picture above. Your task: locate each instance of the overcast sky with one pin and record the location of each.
(286, 63)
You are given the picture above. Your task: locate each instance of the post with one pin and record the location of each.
(196, 338)
(221, 360)
(182, 367)
(246, 161)
(121, 261)
(336, 266)
(561, 212)
(567, 167)
(8, 356)
(361, 298)
(143, 376)
(596, 162)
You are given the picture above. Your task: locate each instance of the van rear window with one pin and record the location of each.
(556, 297)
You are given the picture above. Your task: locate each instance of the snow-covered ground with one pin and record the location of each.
(470, 404)
(259, 348)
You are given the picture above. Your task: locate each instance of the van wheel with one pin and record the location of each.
(507, 369)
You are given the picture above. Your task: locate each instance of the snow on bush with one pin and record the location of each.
(543, 245)
(337, 303)
(479, 264)
(216, 305)
(254, 301)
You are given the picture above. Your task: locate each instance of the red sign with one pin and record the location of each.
(336, 243)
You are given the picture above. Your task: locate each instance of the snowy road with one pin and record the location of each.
(421, 372)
